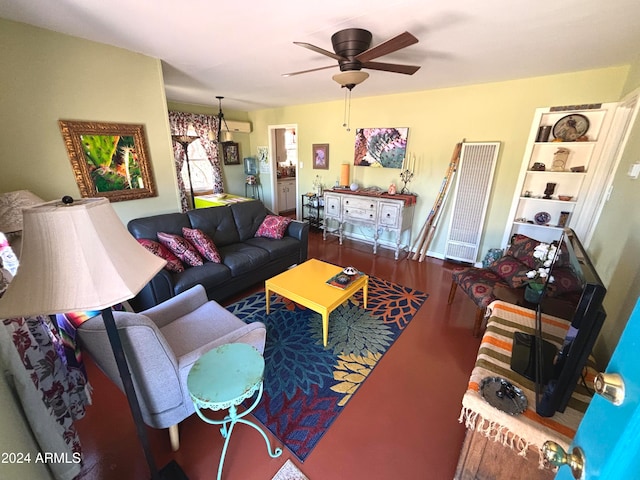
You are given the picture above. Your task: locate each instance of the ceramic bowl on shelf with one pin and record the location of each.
(565, 198)
(542, 218)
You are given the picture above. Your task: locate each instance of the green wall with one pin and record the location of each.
(17, 437)
(45, 77)
(616, 242)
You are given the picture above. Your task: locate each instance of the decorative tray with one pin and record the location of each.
(503, 395)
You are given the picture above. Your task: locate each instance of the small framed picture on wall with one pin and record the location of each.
(231, 153)
(321, 155)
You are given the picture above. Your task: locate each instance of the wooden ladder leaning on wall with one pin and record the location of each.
(419, 249)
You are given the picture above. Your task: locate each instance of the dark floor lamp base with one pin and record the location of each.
(172, 471)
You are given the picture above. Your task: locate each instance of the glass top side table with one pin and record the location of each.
(222, 379)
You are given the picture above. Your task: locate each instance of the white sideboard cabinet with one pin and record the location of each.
(393, 213)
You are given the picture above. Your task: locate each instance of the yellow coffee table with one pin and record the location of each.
(306, 285)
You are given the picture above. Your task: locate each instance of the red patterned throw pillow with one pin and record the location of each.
(203, 243)
(522, 248)
(181, 248)
(512, 271)
(173, 263)
(273, 226)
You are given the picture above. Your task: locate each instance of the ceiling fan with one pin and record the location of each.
(353, 52)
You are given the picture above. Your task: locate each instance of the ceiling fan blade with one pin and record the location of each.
(391, 67)
(396, 43)
(320, 50)
(307, 71)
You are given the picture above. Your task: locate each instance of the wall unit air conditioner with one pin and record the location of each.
(236, 126)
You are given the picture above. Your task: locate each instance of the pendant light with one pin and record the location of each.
(227, 134)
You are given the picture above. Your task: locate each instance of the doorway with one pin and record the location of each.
(283, 161)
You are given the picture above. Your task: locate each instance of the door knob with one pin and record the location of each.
(556, 456)
(610, 386)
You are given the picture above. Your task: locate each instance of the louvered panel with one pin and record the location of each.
(473, 186)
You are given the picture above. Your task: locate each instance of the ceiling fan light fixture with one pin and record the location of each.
(350, 79)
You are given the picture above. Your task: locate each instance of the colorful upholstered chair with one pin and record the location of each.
(478, 284)
(506, 273)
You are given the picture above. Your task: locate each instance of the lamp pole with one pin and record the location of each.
(185, 141)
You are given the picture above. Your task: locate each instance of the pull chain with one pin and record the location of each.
(347, 109)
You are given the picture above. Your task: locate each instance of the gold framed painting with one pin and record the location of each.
(109, 159)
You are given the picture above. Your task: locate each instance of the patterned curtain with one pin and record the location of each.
(206, 127)
(53, 393)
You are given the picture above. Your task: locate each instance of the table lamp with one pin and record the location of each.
(76, 256)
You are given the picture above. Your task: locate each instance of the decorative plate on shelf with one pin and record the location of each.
(571, 127)
(542, 218)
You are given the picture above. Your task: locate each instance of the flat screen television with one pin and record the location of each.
(576, 294)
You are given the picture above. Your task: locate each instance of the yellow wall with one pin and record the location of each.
(45, 77)
(502, 112)
(437, 120)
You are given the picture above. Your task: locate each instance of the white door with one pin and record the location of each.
(609, 435)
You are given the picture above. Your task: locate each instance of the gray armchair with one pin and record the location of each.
(161, 344)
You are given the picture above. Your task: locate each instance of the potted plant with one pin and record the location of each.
(544, 255)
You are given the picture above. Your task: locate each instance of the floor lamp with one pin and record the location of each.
(78, 256)
(185, 141)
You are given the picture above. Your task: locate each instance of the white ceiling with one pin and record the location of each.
(240, 48)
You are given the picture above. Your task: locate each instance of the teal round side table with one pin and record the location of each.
(221, 379)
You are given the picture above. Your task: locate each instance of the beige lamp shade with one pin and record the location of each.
(76, 257)
(11, 205)
(350, 78)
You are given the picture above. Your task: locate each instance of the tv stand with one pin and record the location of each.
(496, 439)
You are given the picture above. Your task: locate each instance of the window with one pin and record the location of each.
(201, 169)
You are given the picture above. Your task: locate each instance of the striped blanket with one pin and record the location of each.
(528, 430)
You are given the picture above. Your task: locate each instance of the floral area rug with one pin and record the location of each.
(306, 386)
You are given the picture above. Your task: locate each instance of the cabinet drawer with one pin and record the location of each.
(359, 209)
(389, 215)
(359, 203)
(359, 214)
(332, 206)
